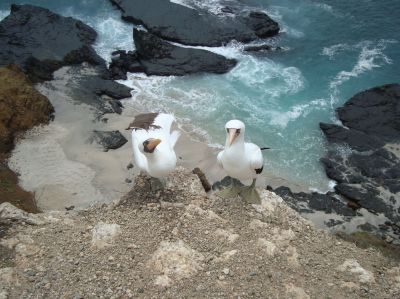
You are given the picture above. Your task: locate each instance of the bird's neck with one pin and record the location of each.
(237, 146)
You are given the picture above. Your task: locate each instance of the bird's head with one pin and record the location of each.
(149, 145)
(234, 131)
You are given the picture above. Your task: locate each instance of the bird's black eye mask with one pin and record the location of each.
(146, 149)
(237, 131)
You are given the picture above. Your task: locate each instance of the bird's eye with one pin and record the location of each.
(237, 132)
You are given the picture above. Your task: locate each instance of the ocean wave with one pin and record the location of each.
(3, 14)
(371, 56)
(112, 32)
(282, 118)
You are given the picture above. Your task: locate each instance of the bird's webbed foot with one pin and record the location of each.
(157, 184)
(229, 192)
(249, 194)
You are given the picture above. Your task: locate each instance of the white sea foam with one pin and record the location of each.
(371, 56)
(3, 14)
(112, 32)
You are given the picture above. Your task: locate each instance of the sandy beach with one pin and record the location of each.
(63, 169)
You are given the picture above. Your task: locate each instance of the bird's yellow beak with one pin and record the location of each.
(151, 144)
(232, 136)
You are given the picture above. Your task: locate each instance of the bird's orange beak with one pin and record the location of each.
(232, 136)
(152, 144)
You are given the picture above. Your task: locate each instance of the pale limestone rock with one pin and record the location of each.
(292, 256)
(269, 202)
(350, 285)
(7, 277)
(394, 276)
(174, 261)
(258, 224)
(295, 292)
(194, 210)
(103, 234)
(225, 256)
(267, 246)
(10, 213)
(226, 235)
(351, 265)
(3, 294)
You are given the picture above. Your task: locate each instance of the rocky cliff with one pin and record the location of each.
(184, 243)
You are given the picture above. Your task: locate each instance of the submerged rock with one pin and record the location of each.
(155, 56)
(199, 27)
(40, 41)
(109, 139)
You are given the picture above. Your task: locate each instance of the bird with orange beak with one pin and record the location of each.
(153, 144)
(241, 160)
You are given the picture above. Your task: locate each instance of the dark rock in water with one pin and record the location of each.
(40, 41)
(309, 202)
(125, 62)
(363, 159)
(196, 27)
(354, 138)
(109, 139)
(159, 57)
(84, 85)
(375, 112)
(368, 173)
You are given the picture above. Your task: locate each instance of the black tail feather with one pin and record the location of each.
(264, 148)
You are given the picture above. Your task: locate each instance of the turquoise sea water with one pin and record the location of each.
(332, 50)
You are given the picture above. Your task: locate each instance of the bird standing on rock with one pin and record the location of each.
(153, 146)
(241, 160)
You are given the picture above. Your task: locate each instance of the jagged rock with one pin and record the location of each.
(123, 63)
(85, 85)
(104, 233)
(21, 106)
(356, 139)
(109, 139)
(351, 265)
(40, 41)
(11, 214)
(375, 112)
(159, 57)
(309, 202)
(175, 261)
(189, 26)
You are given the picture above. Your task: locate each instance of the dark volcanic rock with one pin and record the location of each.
(40, 41)
(364, 161)
(354, 138)
(189, 26)
(84, 85)
(375, 112)
(109, 139)
(158, 57)
(123, 63)
(309, 202)
(369, 173)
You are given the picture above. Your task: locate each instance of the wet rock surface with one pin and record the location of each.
(109, 139)
(155, 56)
(364, 156)
(40, 41)
(85, 86)
(195, 26)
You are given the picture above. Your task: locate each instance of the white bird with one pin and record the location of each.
(153, 144)
(242, 161)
